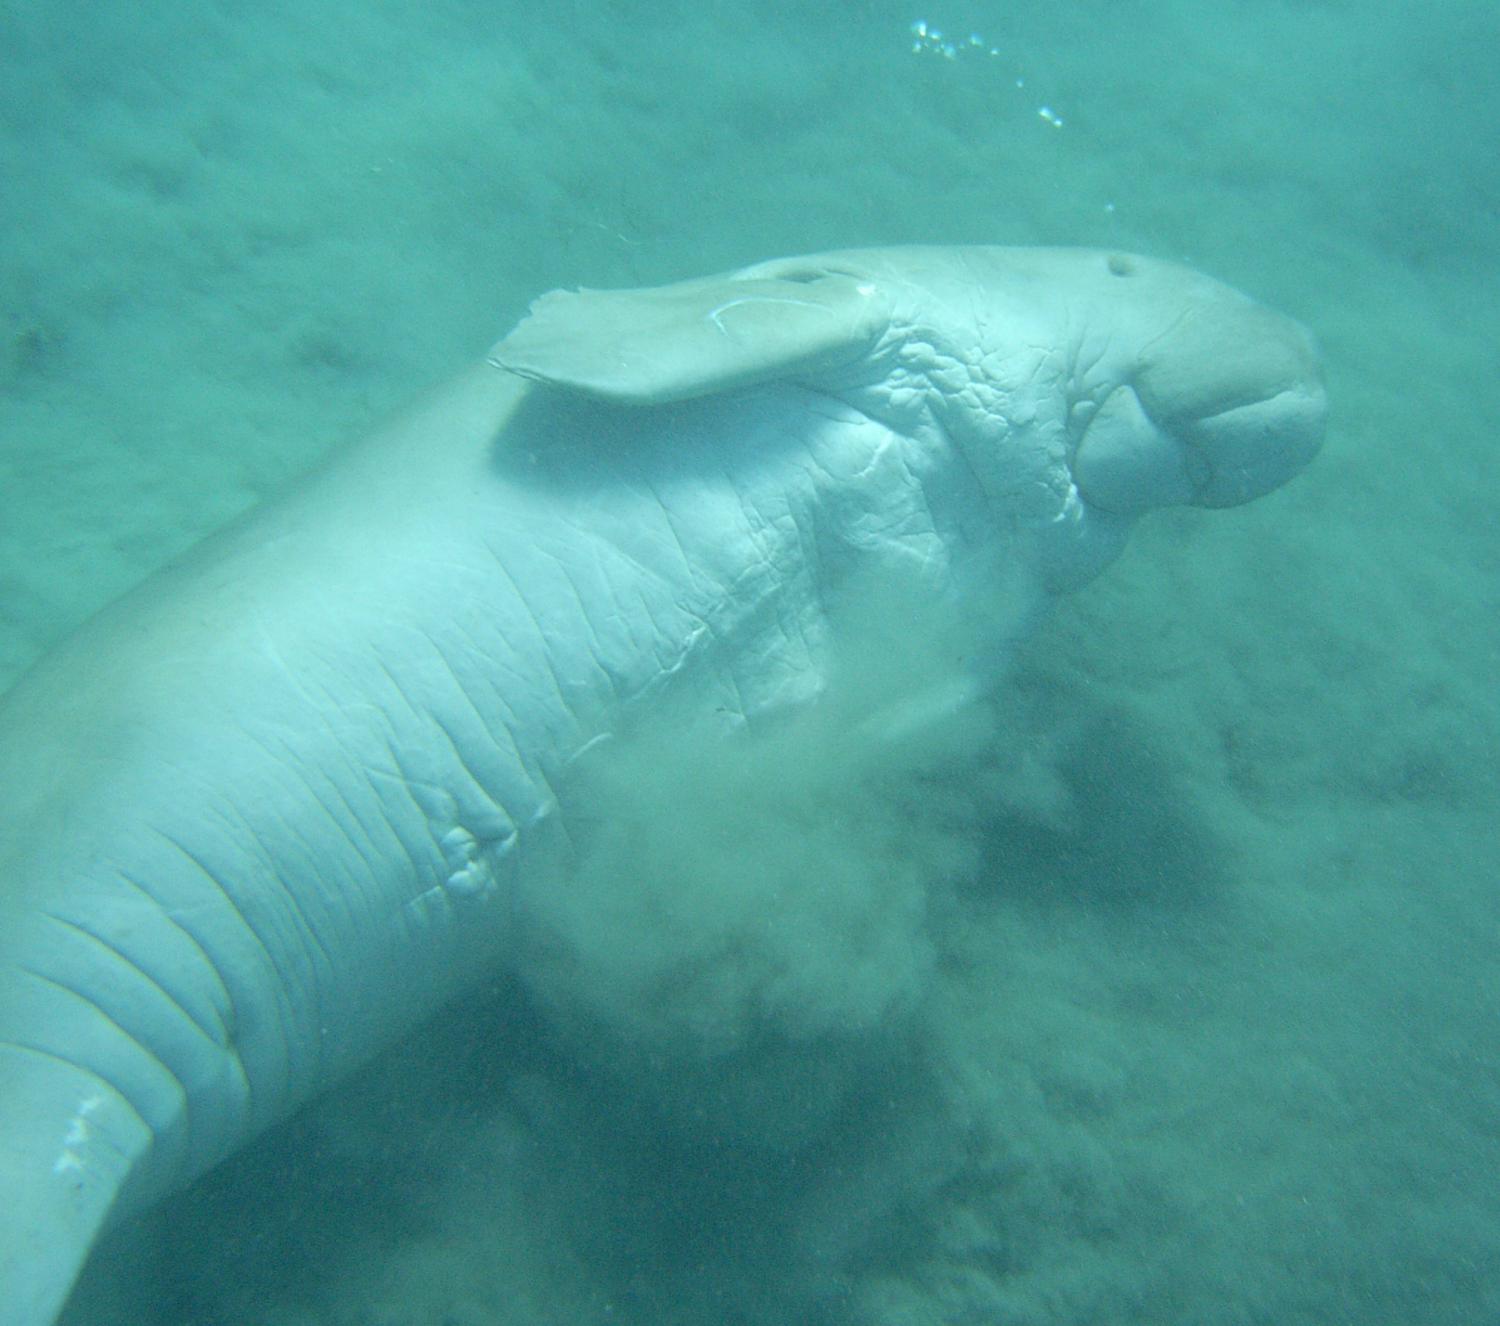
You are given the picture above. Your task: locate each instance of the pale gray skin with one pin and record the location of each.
(282, 802)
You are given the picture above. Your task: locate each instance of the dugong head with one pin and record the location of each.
(1139, 383)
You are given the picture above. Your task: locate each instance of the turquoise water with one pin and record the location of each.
(1175, 999)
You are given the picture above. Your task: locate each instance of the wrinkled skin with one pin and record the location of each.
(280, 803)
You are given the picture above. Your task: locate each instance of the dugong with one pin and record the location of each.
(281, 802)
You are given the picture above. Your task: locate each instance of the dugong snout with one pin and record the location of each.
(1222, 405)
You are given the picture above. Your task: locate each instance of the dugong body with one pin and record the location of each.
(291, 795)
